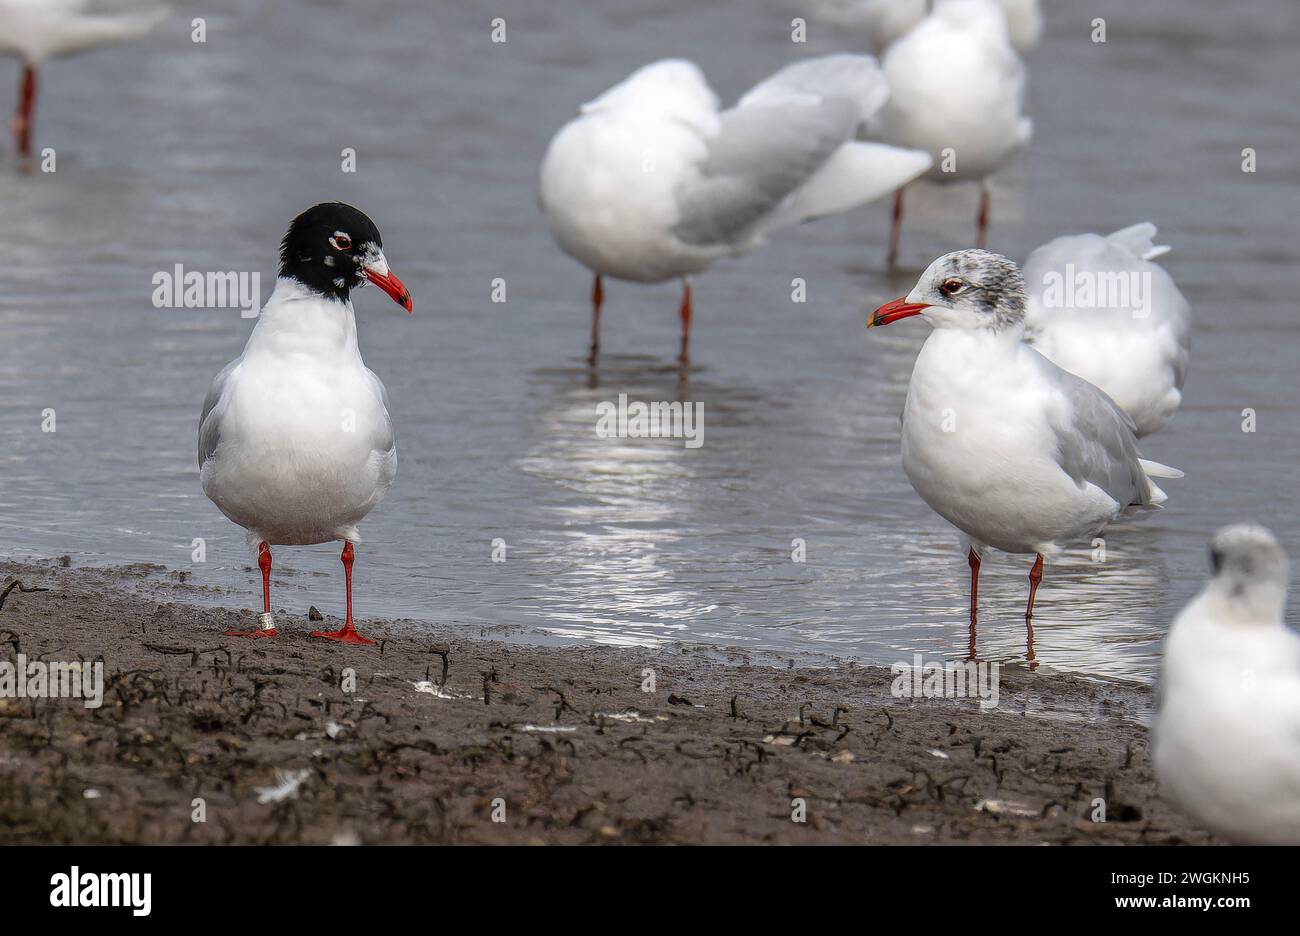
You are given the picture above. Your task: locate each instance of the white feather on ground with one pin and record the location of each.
(286, 786)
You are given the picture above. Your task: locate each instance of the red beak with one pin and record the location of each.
(393, 286)
(891, 312)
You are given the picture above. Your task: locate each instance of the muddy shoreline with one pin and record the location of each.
(449, 737)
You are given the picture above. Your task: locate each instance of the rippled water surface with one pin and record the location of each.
(174, 153)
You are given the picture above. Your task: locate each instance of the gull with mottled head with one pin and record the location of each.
(1015, 452)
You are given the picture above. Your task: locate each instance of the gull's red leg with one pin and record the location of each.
(21, 125)
(685, 313)
(348, 634)
(1035, 576)
(973, 560)
(597, 299)
(268, 628)
(896, 228)
(982, 219)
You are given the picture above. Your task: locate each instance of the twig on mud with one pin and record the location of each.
(444, 651)
(16, 583)
(634, 740)
(181, 651)
(562, 704)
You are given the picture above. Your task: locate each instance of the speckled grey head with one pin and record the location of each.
(1247, 552)
(972, 289)
(1250, 575)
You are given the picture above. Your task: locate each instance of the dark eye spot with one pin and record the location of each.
(951, 287)
(341, 241)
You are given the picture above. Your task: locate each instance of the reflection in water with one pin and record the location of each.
(626, 505)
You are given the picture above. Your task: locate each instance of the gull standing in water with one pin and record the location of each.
(295, 441)
(1225, 741)
(653, 182)
(39, 30)
(1101, 308)
(956, 90)
(1014, 451)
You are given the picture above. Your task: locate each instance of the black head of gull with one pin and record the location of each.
(333, 248)
(972, 289)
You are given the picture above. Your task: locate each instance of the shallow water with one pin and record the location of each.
(170, 153)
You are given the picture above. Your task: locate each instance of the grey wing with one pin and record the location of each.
(772, 141)
(210, 421)
(1096, 442)
(385, 438)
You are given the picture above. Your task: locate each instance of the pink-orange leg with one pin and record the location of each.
(685, 314)
(973, 560)
(896, 228)
(982, 219)
(597, 300)
(1035, 576)
(264, 563)
(348, 634)
(24, 116)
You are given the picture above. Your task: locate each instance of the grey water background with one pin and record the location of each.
(170, 152)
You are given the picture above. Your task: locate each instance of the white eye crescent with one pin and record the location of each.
(341, 241)
(951, 287)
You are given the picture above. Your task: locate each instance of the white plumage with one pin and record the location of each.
(295, 442)
(1225, 740)
(39, 30)
(1131, 337)
(957, 92)
(1015, 452)
(887, 21)
(654, 181)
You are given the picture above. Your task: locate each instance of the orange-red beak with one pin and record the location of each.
(390, 284)
(891, 312)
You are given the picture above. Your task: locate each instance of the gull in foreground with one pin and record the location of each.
(1100, 308)
(39, 30)
(956, 90)
(295, 442)
(652, 181)
(1015, 452)
(1225, 740)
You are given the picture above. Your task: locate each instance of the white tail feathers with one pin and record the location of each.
(1139, 239)
(857, 173)
(1154, 469)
